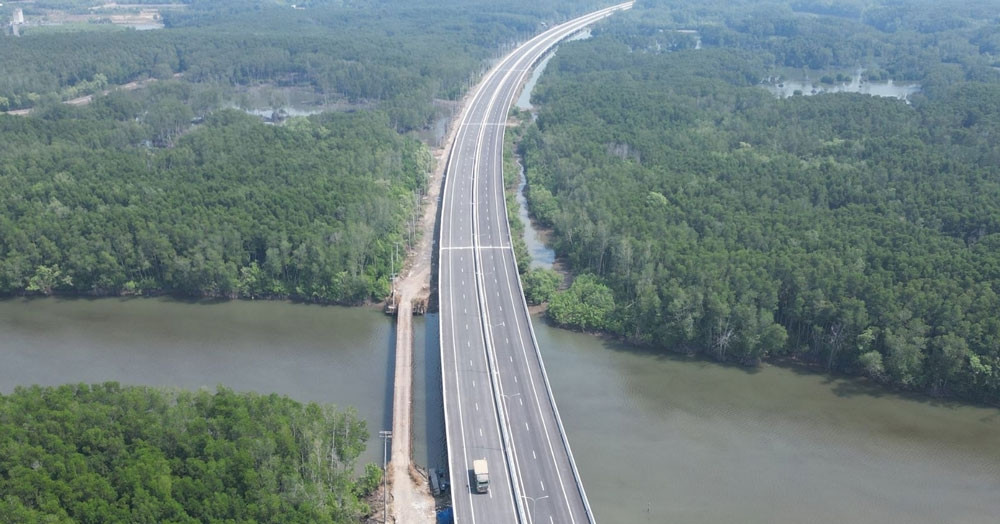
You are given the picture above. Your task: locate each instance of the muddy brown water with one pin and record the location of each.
(670, 439)
(335, 355)
(656, 438)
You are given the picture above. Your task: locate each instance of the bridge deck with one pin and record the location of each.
(498, 404)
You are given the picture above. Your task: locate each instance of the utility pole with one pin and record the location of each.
(395, 254)
(386, 435)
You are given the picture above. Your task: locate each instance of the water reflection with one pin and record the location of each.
(657, 437)
(429, 445)
(542, 256)
(332, 355)
(664, 438)
(889, 89)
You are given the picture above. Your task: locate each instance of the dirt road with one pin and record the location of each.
(412, 501)
(86, 99)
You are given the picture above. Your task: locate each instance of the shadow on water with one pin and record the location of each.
(847, 386)
(842, 385)
(179, 299)
(390, 376)
(658, 353)
(433, 396)
(71, 298)
(192, 301)
(432, 301)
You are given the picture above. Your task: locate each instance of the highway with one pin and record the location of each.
(497, 399)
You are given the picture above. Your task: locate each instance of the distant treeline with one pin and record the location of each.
(933, 42)
(111, 453)
(402, 54)
(703, 214)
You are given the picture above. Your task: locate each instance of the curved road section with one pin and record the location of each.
(497, 399)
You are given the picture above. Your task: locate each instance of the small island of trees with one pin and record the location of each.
(110, 453)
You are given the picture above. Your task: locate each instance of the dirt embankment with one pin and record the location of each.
(411, 500)
(86, 99)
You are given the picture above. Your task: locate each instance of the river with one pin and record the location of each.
(327, 354)
(670, 439)
(657, 438)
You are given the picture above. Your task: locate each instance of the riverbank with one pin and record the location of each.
(206, 299)
(769, 444)
(325, 354)
(791, 363)
(540, 238)
(722, 443)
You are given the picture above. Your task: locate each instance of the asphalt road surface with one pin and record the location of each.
(498, 404)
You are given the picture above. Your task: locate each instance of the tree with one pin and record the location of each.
(234, 208)
(858, 233)
(540, 284)
(587, 305)
(112, 453)
(871, 363)
(905, 346)
(949, 354)
(168, 118)
(47, 278)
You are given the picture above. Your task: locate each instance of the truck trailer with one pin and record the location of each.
(482, 474)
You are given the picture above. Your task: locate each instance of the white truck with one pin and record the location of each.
(482, 473)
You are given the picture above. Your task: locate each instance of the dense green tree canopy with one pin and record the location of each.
(156, 190)
(857, 232)
(312, 209)
(540, 284)
(109, 453)
(587, 304)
